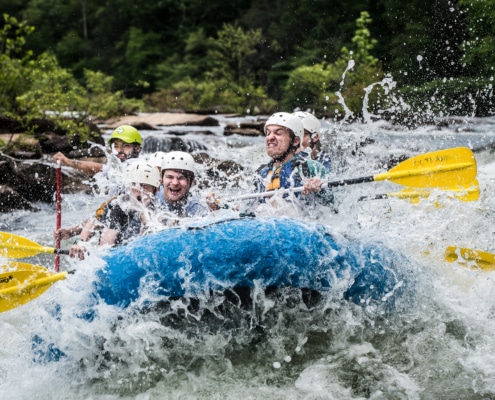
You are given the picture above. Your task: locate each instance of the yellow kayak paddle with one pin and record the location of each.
(437, 169)
(13, 246)
(476, 258)
(21, 283)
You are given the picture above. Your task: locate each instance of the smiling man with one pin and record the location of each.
(124, 143)
(178, 170)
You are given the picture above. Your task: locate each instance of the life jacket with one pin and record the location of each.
(286, 175)
(101, 210)
(127, 223)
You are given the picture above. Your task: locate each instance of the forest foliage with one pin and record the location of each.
(339, 59)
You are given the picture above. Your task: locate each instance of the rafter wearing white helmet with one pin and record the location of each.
(178, 172)
(142, 173)
(310, 122)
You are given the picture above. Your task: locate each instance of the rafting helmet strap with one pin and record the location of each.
(179, 207)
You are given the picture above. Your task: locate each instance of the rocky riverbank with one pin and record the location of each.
(27, 173)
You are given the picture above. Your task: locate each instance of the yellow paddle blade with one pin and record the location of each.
(414, 196)
(483, 260)
(469, 192)
(443, 168)
(14, 246)
(21, 283)
(466, 193)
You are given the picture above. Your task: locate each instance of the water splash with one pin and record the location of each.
(387, 84)
(348, 114)
(218, 346)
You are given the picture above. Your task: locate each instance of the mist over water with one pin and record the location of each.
(437, 343)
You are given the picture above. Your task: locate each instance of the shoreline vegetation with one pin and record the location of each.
(374, 69)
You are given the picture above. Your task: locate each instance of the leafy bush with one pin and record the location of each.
(450, 97)
(338, 89)
(224, 79)
(38, 88)
(215, 95)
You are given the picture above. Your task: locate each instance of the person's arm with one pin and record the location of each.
(88, 230)
(86, 167)
(108, 237)
(312, 185)
(67, 233)
(318, 176)
(213, 202)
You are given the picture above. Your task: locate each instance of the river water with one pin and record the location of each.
(438, 345)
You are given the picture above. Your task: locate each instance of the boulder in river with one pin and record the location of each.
(154, 120)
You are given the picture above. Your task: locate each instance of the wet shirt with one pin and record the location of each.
(322, 158)
(125, 220)
(189, 207)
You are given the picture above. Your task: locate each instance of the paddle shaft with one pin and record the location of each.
(33, 250)
(343, 182)
(441, 168)
(59, 213)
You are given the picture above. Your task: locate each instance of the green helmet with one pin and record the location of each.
(127, 134)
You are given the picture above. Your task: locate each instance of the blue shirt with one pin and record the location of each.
(187, 207)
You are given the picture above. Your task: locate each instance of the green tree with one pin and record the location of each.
(14, 61)
(226, 84)
(423, 40)
(299, 33)
(231, 53)
(328, 88)
(479, 47)
(38, 87)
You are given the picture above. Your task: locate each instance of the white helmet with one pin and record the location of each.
(287, 120)
(142, 172)
(156, 159)
(179, 160)
(310, 122)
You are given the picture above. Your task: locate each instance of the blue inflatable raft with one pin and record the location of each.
(190, 261)
(234, 256)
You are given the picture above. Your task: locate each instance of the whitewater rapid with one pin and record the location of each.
(440, 346)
